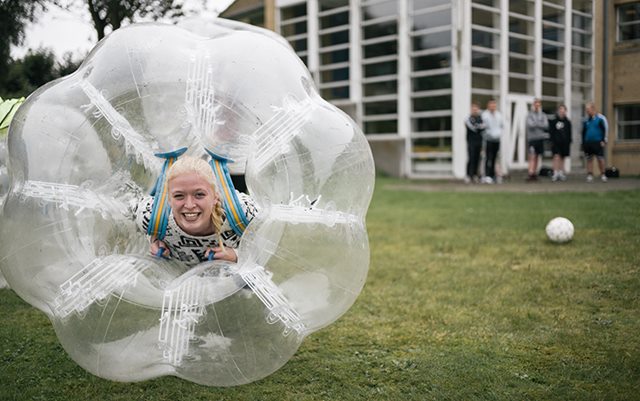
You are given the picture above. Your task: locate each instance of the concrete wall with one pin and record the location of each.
(388, 156)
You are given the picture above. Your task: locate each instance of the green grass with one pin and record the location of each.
(465, 300)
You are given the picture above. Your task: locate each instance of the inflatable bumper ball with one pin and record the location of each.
(84, 148)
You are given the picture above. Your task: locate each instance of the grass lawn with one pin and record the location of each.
(465, 300)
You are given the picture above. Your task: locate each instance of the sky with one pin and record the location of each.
(59, 30)
(71, 31)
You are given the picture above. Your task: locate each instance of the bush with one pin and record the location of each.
(35, 69)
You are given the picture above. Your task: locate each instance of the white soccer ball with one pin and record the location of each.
(559, 230)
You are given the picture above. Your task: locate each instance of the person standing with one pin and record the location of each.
(537, 127)
(494, 124)
(475, 130)
(595, 130)
(560, 135)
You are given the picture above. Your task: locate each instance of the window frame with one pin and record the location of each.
(620, 25)
(620, 123)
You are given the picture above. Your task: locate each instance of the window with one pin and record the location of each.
(380, 66)
(629, 22)
(628, 117)
(483, 39)
(334, 49)
(293, 26)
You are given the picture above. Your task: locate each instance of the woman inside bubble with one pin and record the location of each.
(197, 227)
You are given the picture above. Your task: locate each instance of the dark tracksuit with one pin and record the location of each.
(475, 129)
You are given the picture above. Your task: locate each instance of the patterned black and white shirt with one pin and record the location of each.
(187, 248)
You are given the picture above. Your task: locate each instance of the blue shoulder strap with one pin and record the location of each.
(161, 209)
(233, 208)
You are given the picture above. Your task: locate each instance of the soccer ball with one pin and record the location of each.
(559, 230)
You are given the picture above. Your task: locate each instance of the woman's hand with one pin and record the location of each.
(228, 254)
(155, 246)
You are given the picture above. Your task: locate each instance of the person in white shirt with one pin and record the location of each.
(494, 125)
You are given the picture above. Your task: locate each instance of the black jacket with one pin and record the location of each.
(560, 130)
(475, 128)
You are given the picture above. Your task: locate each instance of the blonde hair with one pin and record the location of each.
(190, 164)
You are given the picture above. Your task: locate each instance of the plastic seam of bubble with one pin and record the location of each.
(280, 309)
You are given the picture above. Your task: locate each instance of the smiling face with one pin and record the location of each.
(192, 200)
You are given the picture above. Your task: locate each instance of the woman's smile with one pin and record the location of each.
(191, 216)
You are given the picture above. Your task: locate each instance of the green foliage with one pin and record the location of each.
(68, 65)
(21, 77)
(466, 299)
(14, 15)
(8, 109)
(30, 72)
(110, 14)
(35, 69)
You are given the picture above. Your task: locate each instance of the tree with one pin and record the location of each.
(35, 69)
(68, 64)
(14, 15)
(112, 13)
(40, 67)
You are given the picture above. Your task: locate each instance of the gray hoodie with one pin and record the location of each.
(537, 126)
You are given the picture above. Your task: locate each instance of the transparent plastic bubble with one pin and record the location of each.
(4, 187)
(82, 149)
(4, 173)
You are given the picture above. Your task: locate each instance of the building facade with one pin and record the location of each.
(618, 87)
(408, 70)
